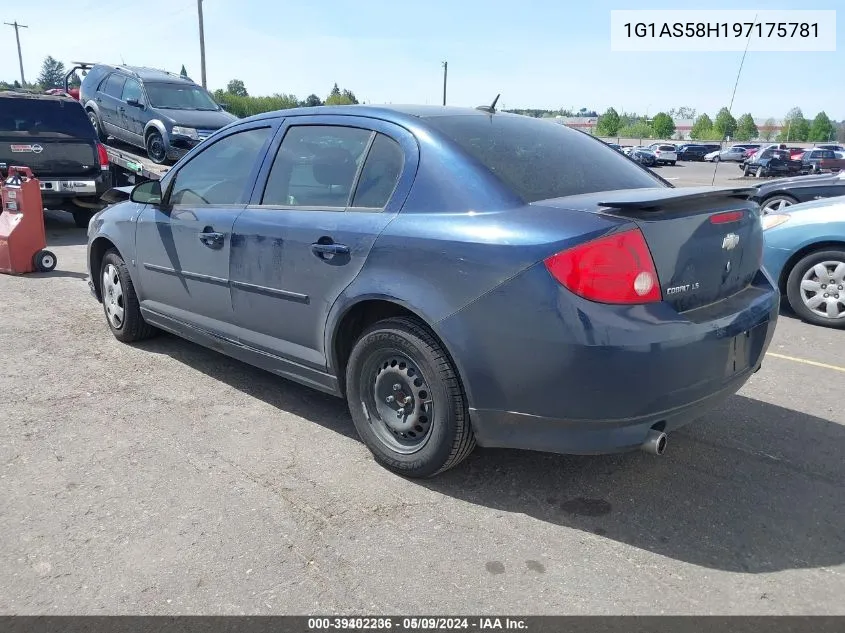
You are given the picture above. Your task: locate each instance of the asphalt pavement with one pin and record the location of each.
(163, 478)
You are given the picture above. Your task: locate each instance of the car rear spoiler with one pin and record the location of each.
(650, 201)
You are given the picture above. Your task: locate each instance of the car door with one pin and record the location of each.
(108, 100)
(329, 187)
(183, 245)
(131, 111)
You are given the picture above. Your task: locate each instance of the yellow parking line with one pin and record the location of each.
(804, 361)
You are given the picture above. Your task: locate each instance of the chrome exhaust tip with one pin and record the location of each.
(655, 442)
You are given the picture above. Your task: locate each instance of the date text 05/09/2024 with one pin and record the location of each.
(722, 29)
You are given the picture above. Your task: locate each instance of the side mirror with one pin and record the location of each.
(134, 103)
(223, 106)
(147, 193)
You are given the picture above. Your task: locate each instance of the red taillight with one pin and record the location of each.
(103, 156)
(617, 268)
(726, 218)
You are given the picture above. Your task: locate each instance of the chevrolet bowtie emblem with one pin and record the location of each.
(730, 242)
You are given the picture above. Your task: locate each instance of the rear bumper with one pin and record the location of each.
(63, 189)
(555, 373)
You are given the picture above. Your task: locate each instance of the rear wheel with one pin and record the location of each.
(81, 218)
(777, 203)
(120, 303)
(95, 121)
(815, 288)
(759, 172)
(672, 162)
(406, 399)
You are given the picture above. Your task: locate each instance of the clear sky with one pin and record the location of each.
(536, 53)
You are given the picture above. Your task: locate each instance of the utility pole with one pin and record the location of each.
(445, 71)
(18, 38)
(202, 43)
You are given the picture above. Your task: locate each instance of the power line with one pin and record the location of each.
(17, 28)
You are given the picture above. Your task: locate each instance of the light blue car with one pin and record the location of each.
(804, 253)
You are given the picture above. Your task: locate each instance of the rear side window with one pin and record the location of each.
(380, 174)
(44, 118)
(540, 160)
(316, 166)
(113, 86)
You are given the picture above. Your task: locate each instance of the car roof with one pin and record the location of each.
(150, 74)
(389, 112)
(20, 94)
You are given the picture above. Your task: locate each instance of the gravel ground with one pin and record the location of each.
(166, 479)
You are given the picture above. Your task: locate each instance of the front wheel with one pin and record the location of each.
(120, 303)
(156, 149)
(759, 172)
(815, 288)
(406, 399)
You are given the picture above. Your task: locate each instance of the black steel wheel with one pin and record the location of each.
(156, 149)
(44, 261)
(406, 399)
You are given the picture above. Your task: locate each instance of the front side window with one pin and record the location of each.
(316, 166)
(131, 90)
(220, 173)
(540, 160)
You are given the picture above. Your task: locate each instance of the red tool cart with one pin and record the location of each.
(22, 235)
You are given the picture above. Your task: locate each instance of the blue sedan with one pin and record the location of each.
(805, 255)
(460, 276)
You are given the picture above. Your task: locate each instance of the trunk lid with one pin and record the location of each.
(706, 242)
(50, 157)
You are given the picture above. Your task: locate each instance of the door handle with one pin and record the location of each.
(122, 109)
(211, 238)
(329, 249)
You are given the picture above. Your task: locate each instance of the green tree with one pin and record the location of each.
(608, 123)
(336, 97)
(183, 73)
(702, 129)
(725, 124)
(795, 127)
(52, 74)
(640, 129)
(236, 87)
(822, 128)
(684, 112)
(312, 100)
(75, 81)
(746, 129)
(768, 131)
(840, 132)
(663, 125)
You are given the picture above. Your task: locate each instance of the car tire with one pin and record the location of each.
(98, 128)
(716, 159)
(759, 172)
(805, 291)
(776, 203)
(120, 302)
(156, 148)
(82, 218)
(435, 434)
(672, 163)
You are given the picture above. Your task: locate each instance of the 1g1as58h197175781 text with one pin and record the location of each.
(722, 29)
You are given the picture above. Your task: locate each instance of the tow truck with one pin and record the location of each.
(126, 165)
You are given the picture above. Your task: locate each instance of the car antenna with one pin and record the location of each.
(492, 107)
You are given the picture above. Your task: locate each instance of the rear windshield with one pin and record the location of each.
(43, 118)
(540, 160)
(667, 148)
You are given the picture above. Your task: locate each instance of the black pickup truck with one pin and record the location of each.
(52, 136)
(771, 161)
